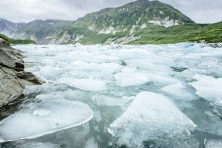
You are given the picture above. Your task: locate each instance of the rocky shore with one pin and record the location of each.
(13, 78)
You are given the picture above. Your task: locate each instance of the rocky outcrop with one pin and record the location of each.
(13, 78)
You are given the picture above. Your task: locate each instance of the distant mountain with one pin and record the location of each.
(9, 28)
(132, 17)
(139, 22)
(41, 31)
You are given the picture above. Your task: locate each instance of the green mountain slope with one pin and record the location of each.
(14, 41)
(139, 22)
(121, 25)
(182, 33)
(41, 31)
(131, 17)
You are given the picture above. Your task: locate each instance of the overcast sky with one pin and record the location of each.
(201, 11)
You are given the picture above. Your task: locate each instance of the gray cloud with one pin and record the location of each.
(201, 11)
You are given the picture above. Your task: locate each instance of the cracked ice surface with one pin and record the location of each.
(146, 96)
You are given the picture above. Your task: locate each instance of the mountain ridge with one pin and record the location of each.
(122, 25)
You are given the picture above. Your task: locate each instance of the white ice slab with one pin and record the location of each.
(213, 143)
(103, 100)
(179, 91)
(91, 143)
(150, 116)
(209, 88)
(38, 145)
(84, 84)
(131, 77)
(44, 118)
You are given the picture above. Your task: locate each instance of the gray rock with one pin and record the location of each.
(13, 78)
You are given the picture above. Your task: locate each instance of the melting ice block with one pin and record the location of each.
(38, 145)
(91, 143)
(102, 100)
(213, 143)
(44, 118)
(130, 77)
(84, 84)
(151, 116)
(179, 91)
(209, 88)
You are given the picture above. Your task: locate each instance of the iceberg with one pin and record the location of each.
(213, 143)
(209, 88)
(179, 91)
(109, 79)
(131, 77)
(84, 84)
(102, 100)
(46, 117)
(91, 143)
(38, 145)
(151, 116)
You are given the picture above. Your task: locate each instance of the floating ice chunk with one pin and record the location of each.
(130, 77)
(38, 145)
(106, 67)
(91, 143)
(209, 88)
(150, 117)
(162, 78)
(103, 100)
(43, 118)
(44, 88)
(134, 53)
(213, 143)
(84, 84)
(147, 64)
(179, 91)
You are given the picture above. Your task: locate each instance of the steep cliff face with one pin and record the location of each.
(13, 78)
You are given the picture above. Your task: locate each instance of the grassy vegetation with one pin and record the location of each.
(13, 41)
(181, 33)
(153, 34)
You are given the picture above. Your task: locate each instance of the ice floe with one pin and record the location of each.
(179, 91)
(107, 79)
(213, 143)
(44, 118)
(84, 84)
(131, 77)
(151, 116)
(209, 88)
(103, 100)
(38, 145)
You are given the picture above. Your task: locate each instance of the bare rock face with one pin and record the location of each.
(13, 78)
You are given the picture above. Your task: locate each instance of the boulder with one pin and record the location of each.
(13, 78)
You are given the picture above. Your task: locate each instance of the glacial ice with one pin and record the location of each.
(150, 117)
(38, 145)
(179, 91)
(44, 118)
(213, 143)
(107, 79)
(91, 143)
(103, 100)
(209, 88)
(84, 84)
(130, 77)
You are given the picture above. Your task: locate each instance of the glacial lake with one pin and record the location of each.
(150, 96)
